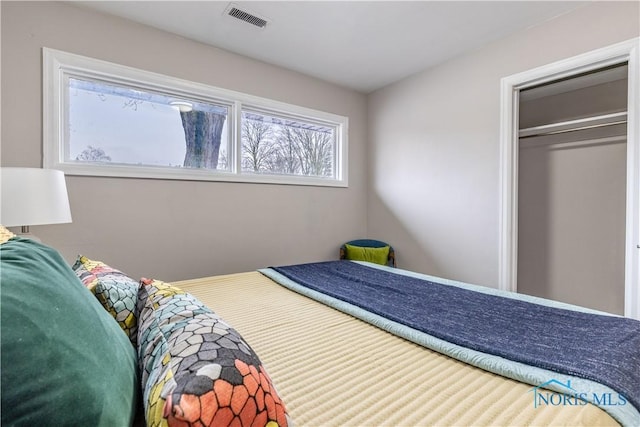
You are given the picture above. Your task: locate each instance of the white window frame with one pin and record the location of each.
(59, 66)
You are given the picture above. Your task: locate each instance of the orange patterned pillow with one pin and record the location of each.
(196, 369)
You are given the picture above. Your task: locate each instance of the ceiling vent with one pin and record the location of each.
(244, 15)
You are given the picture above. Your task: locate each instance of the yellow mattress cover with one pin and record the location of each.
(332, 369)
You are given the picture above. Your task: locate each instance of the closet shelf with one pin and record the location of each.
(575, 125)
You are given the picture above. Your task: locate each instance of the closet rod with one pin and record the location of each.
(575, 125)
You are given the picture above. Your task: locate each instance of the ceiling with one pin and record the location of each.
(362, 45)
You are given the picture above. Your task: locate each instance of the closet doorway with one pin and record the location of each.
(570, 181)
(572, 165)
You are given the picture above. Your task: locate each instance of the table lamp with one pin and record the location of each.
(32, 196)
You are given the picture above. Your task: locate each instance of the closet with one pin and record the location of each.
(572, 189)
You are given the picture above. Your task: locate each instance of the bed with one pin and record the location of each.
(289, 350)
(333, 369)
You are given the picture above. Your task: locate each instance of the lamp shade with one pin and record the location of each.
(30, 196)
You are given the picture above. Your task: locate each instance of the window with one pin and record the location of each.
(120, 125)
(105, 119)
(281, 145)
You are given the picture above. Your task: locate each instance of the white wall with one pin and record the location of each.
(434, 144)
(177, 229)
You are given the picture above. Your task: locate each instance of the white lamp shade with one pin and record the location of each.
(30, 196)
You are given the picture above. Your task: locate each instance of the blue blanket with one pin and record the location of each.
(601, 348)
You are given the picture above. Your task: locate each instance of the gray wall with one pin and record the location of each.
(571, 201)
(571, 222)
(177, 229)
(434, 143)
(425, 178)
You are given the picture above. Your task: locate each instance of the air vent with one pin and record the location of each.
(246, 16)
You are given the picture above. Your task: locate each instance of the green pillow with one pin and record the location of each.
(65, 360)
(374, 255)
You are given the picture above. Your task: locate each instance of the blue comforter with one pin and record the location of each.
(597, 347)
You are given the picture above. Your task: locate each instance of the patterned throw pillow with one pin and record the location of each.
(116, 292)
(196, 369)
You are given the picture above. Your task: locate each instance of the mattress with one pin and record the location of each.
(332, 369)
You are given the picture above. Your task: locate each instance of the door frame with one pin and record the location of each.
(627, 51)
